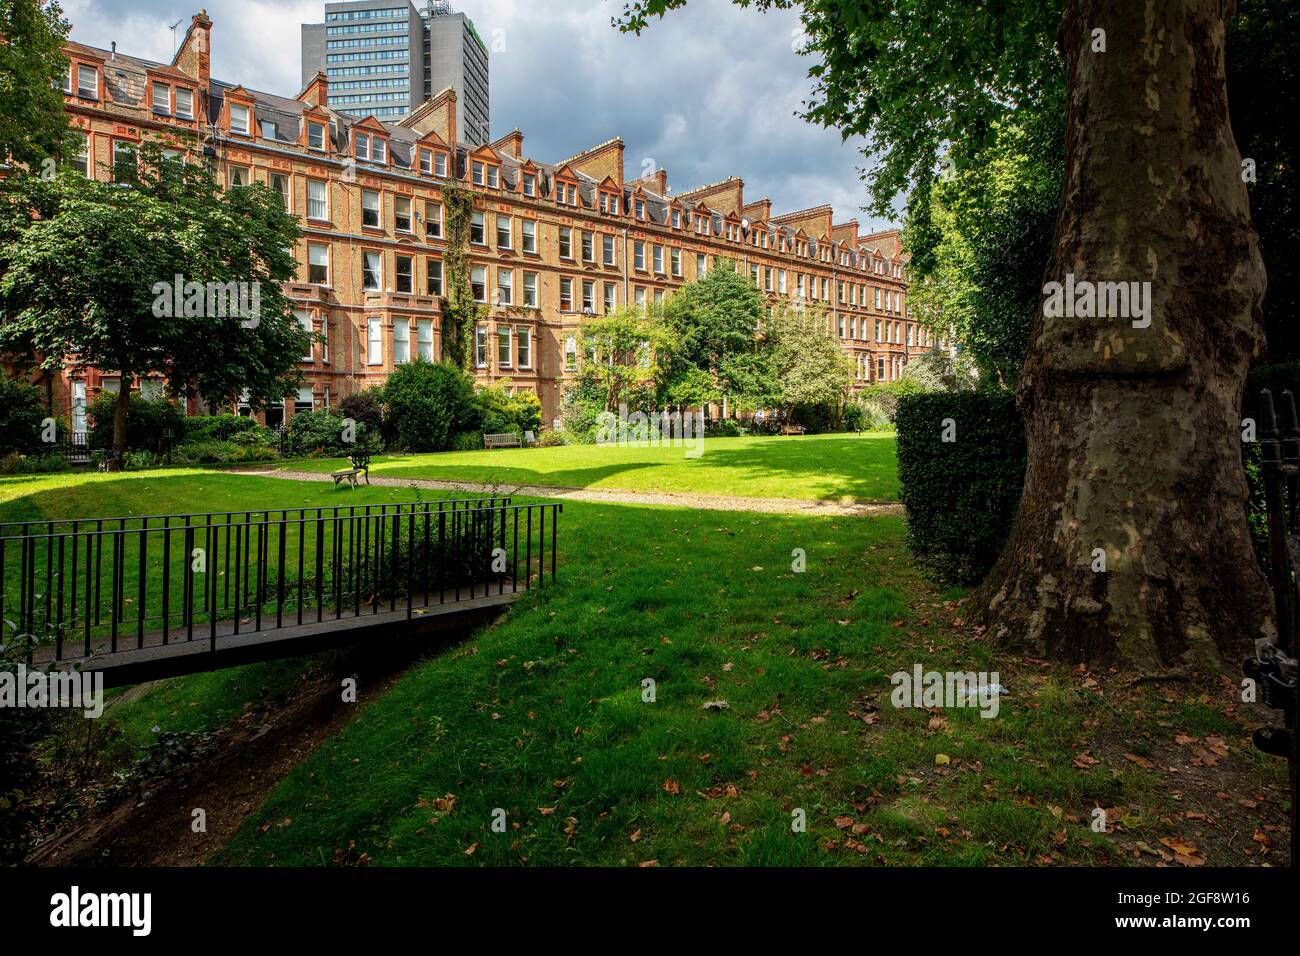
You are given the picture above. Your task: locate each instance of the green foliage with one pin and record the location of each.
(960, 495)
(324, 433)
(809, 368)
(21, 414)
(980, 240)
(428, 405)
(468, 441)
(147, 422)
(219, 427)
(1277, 378)
(366, 408)
(68, 298)
(232, 452)
(879, 400)
(630, 348)
(913, 77)
(580, 410)
(518, 413)
(460, 312)
(712, 322)
(33, 123)
(939, 371)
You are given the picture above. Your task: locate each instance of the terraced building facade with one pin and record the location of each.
(551, 244)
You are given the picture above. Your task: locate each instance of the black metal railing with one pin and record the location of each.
(75, 447)
(75, 588)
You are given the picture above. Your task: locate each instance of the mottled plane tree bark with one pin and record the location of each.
(1134, 429)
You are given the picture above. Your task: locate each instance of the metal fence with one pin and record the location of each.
(73, 588)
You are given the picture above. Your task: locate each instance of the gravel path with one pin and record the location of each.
(794, 506)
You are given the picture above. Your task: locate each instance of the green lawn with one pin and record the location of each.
(822, 467)
(542, 715)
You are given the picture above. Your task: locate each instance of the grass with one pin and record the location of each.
(821, 467)
(545, 715)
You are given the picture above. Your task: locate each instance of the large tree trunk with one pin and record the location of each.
(1134, 433)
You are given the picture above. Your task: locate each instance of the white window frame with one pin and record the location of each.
(374, 342)
(321, 202)
(312, 249)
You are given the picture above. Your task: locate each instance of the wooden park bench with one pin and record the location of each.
(360, 466)
(508, 440)
(793, 430)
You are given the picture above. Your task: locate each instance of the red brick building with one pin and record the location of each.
(550, 244)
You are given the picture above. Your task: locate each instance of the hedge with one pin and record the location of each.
(960, 495)
(21, 415)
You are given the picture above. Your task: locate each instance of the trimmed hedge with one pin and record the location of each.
(960, 495)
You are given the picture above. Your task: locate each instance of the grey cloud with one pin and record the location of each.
(708, 92)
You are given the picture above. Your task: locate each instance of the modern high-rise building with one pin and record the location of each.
(384, 58)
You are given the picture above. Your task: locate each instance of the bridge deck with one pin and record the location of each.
(132, 663)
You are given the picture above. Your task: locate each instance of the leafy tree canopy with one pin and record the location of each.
(33, 124)
(915, 77)
(87, 270)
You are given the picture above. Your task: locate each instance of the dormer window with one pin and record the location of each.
(640, 208)
(184, 103)
(480, 174)
(677, 219)
(426, 162)
(270, 130)
(440, 165)
(87, 82)
(530, 184)
(379, 151)
(316, 136)
(162, 99)
(493, 177)
(238, 119)
(363, 146)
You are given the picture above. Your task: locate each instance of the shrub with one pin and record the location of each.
(429, 403)
(815, 418)
(147, 422)
(518, 413)
(142, 460)
(468, 441)
(16, 464)
(960, 495)
(21, 415)
(723, 428)
(221, 453)
(580, 410)
(219, 427)
(365, 408)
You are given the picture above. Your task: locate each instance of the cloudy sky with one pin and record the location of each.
(707, 93)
